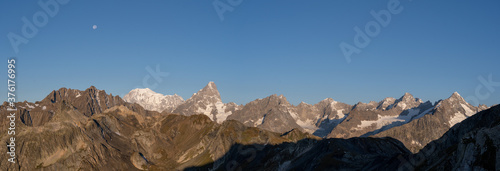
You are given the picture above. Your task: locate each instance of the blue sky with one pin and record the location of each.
(430, 49)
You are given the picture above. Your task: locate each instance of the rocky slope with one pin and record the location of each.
(473, 144)
(91, 130)
(327, 118)
(371, 118)
(153, 101)
(122, 136)
(470, 145)
(322, 117)
(271, 113)
(207, 101)
(420, 131)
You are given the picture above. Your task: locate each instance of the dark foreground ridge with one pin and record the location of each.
(307, 154)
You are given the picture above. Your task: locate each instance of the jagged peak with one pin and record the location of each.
(386, 103)
(208, 92)
(388, 100)
(62, 89)
(456, 96)
(303, 103)
(327, 100)
(275, 96)
(407, 97)
(360, 103)
(211, 85)
(92, 88)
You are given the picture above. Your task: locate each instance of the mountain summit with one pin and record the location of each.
(207, 101)
(433, 123)
(153, 101)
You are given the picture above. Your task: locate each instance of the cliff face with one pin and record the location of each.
(473, 144)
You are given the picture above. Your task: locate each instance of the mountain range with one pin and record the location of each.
(328, 118)
(91, 130)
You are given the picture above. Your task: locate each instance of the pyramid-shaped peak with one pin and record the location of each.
(407, 96)
(456, 96)
(210, 90)
(211, 85)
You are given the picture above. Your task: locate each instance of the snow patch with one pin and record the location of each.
(387, 120)
(415, 143)
(259, 122)
(402, 105)
(293, 114)
(340, 113)
(98, 99)
(468, 111)
(381, 121)
(457, 118)
(28, 105)
(221, 112)
(308, 125)
(207, 111)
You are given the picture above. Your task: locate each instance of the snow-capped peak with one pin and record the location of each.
(151, 100)
(456, 96)
(211, 85)
(386, 103)
(207, 101)
(407, 97)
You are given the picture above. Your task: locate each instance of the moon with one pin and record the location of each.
(94, 27)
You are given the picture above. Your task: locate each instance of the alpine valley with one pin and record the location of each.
(91, 130)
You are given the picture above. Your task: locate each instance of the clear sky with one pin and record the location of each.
(429, 48)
